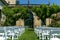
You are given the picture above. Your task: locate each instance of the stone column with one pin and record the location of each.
(2, 19)
(20, 22)
(37, 22)
(48, 21)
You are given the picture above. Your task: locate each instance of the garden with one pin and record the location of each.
(43, 11)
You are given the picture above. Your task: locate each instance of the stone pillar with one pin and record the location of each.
(17, 23)
(2, 20)
(48, 21)
(37, 22)
(20, 22)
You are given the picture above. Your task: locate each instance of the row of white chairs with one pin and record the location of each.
(47, 33)
(11, 32)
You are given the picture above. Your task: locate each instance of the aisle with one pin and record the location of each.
(28, 35)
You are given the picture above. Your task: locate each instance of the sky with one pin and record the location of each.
(40, 2)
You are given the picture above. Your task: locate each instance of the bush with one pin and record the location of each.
(13, 14)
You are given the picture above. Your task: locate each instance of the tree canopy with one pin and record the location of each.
(13, 14)
(43, 11)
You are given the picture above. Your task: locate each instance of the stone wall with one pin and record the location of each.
(3, 19)
(37, 21)
(20, 22)
(48, 21)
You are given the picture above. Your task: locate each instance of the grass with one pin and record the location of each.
(28, 35)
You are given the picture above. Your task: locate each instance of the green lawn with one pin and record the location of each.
(28, 35)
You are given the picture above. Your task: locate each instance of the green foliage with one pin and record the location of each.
(28, 35)
(13, 14)
(43, 11)
(9, 14)
(54, 9)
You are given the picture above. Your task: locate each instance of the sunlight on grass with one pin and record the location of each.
(28, 35)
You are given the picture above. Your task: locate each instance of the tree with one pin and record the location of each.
(9, 16)
(13, 14)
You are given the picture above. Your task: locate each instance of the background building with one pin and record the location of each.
(11, 1)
